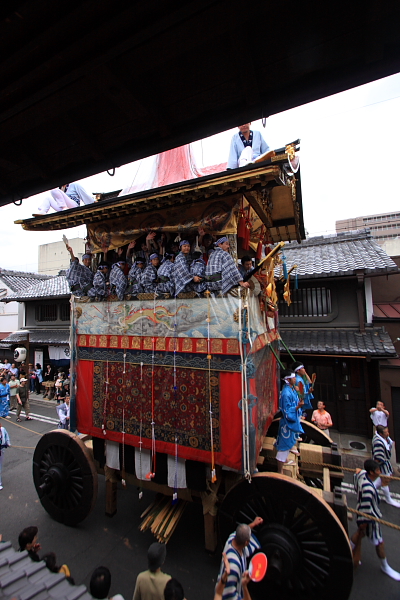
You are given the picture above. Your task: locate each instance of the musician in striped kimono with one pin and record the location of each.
(381, 453)
(366, 482)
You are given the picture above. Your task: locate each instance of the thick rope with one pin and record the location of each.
(391, 477)
(371, 518)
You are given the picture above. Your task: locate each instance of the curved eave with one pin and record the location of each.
(218, 185)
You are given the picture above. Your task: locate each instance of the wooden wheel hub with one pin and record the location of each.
(64, 477)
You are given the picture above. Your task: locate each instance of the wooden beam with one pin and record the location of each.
(254, 199)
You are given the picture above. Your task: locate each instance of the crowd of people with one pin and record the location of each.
(165, 271)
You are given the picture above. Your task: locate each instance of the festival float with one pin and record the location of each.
(180, 395)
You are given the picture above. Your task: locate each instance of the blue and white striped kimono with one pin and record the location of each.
(222, 273)
(183, 279)
(290, 423)
(368, 502)
(80, 278)
(149, 279)
(238, 565)
(135, 280)
(198, 268)
(99, 288)
(166, 278)
(118, 281)
(382, 452)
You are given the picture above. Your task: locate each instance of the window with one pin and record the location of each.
(46, 312)
(307, 302)
(64, 312)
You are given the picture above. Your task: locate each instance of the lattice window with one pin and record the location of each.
(65, 312)
(307, 302)
(46, 312)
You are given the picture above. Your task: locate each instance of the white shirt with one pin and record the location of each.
(379, 418)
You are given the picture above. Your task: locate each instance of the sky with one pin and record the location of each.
(349, 154)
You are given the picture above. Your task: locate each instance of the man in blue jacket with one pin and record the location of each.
(246, 146)
(290, 427)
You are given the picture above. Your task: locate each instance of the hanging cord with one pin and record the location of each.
(123, 473)
(242, 363)
(245, 404)
(175, 493)
(153, 424)
(107, 382)
(209, 357)
(141, 409)
(113, 172)
(123, 480)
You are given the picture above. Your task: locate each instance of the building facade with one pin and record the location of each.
(46, 325)
(54, 257)
(12, 314)
(383, 227)
(330, 324)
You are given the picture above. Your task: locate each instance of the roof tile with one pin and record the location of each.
(375, 342)
(53, 287)
(338, 254)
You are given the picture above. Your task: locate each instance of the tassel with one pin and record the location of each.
(241, 231)
(285, 271)
(246, 240)
(259, 250)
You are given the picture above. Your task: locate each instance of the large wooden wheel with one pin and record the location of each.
(312, 434)
(309, 556)
(65, 477)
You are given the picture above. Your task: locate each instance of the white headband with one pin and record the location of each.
(289, 377)
(297, 368)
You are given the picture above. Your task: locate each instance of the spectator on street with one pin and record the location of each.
(365, 484)
(39, 377)
(28, 540)
(63, 413)
(100, 583)
(32, 378)
(381, 453)
(60, 389)
(238, 548)
(173, 590)
(4, 398)
(150, 584)
(14, 385)
(23, 401)
(4, 444)
(321, 418)
(14, 370)
(379, 415)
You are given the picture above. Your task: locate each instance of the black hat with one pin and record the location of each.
(156, 555)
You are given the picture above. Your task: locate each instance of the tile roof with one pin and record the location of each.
(23, 579)
(338, 254)
(373, 342)
(53, 287)
(38, 336)
(387, 310)
(19, 280)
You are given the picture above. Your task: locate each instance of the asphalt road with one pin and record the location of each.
(117, 542)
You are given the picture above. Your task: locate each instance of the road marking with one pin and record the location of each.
(43, 418)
